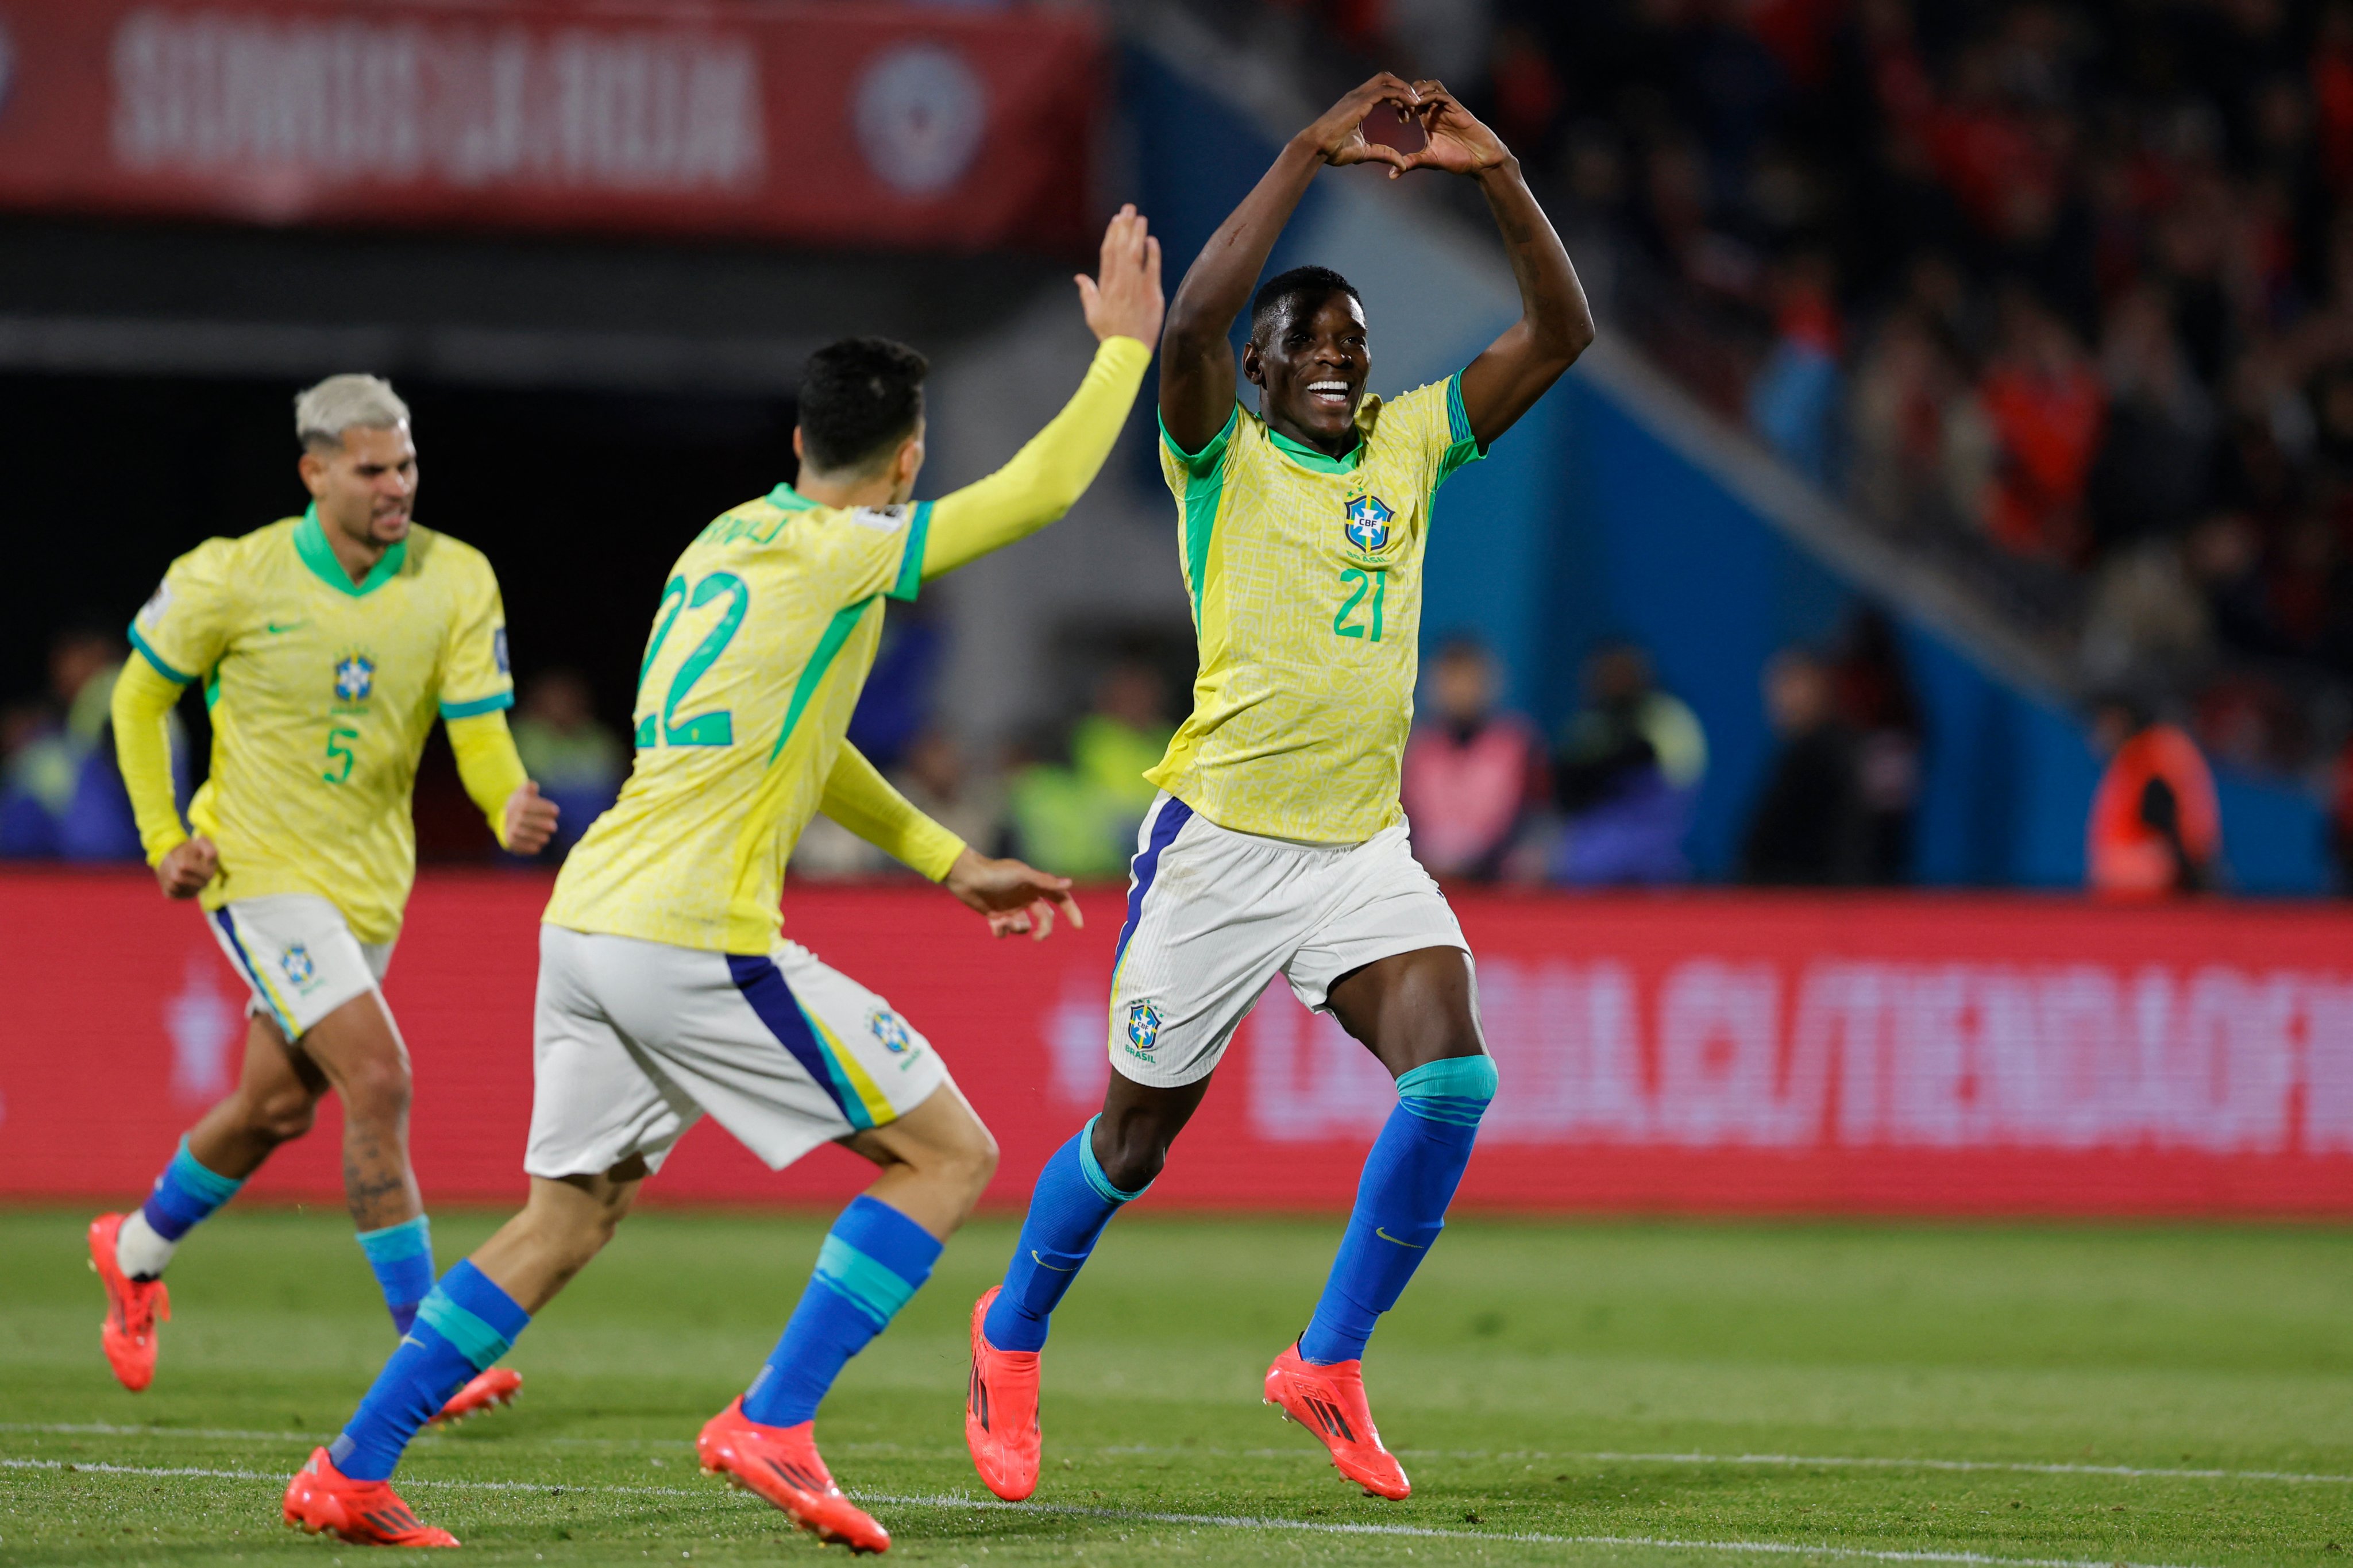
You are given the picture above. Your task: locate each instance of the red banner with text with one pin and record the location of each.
(872, 125)
(1704, 1053)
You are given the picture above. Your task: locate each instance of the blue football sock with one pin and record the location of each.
(185, 1193)
(1067, 1209)
(873, 1259)
(402, 1257)
(463, 1326)
(1409, 1178)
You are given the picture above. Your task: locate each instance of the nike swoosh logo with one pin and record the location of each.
(412, 1340)
(1043, 1264)
(274, 628)
(1384, 1236)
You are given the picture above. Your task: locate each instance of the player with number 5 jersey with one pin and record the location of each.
(328, 646)
(666, 989)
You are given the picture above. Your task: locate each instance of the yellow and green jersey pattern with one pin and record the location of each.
(761, 644)
(1305, 573)
(322, 692)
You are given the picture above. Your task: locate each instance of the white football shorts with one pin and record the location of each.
(632, 1041)
(298, 957)
(1213, 915)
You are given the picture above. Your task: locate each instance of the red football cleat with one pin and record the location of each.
(1000, 1412)
(1329, 1401)
(781, 1464)
(321, 1499)
(486, 1390)
(132, 1306)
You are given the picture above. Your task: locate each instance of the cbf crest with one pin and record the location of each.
(889, 1029)
(1367, 524)
(1142, 1025)
(302, 969)
(354, 678)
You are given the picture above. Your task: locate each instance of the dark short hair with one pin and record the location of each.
(859, 398)
(1281, 292)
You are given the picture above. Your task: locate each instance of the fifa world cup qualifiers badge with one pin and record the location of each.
(1367, 525)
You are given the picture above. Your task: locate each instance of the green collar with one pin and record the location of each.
(311, 544)
(1319, 462)
(786, 499)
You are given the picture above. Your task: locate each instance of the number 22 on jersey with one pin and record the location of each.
(663, 726)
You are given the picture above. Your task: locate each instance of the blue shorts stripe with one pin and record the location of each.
(763, 985)
(1166, 823)
(260, 988)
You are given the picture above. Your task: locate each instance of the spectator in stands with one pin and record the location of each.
(1808, 827)
(2155, 827)
(1793, 395)
(1472, 775)
(936, 779)
(1876, 703)
(1629, 764)
(2047, 410)
(579, 763)
(1081, 814)
(60, 794)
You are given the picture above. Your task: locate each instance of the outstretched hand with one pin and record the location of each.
(1339, 135)
(1015, 897)
(1123, 299)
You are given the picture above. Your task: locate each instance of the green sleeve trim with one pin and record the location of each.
(1462, 448)
(1208, 457)
(494, 702)
(163, 667)
(910, 564)
(1204, 492)
(836, 632)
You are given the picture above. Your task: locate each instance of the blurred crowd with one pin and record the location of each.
(2059, 293)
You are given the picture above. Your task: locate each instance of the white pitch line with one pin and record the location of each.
(1213, 1520)
(2018, 1466)
(1826, 1462)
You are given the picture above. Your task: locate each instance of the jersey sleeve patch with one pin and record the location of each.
(882, 519)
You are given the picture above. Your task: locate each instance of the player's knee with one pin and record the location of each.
(377, 1091)
(972, 1161)
(282, 1116)
(1134, 1160)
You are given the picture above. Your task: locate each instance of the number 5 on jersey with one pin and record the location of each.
(717, 727)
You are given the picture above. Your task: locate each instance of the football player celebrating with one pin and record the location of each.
(328, 644)
(1277, 844)
(665, 991)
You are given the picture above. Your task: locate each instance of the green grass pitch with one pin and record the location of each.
(1646, 1394)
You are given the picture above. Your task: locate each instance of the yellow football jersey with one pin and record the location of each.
(1305, 573)
(321, 692)
(760, 647)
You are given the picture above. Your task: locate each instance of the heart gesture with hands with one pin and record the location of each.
(1454, 139)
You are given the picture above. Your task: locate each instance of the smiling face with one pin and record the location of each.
(1310, 361)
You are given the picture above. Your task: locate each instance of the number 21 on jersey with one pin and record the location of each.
(1352, 618)
(664, 726)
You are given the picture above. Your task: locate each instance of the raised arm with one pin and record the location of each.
(1197, 355)
(1123, 305)
(1556, 323)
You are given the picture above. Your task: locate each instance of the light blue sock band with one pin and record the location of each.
(1455, 1091)
(1092, 1168)
(480, 1344)
(874, 1289)
(211, 1186)
(396, 1243)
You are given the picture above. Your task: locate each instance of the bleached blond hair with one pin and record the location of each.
(322, 412)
